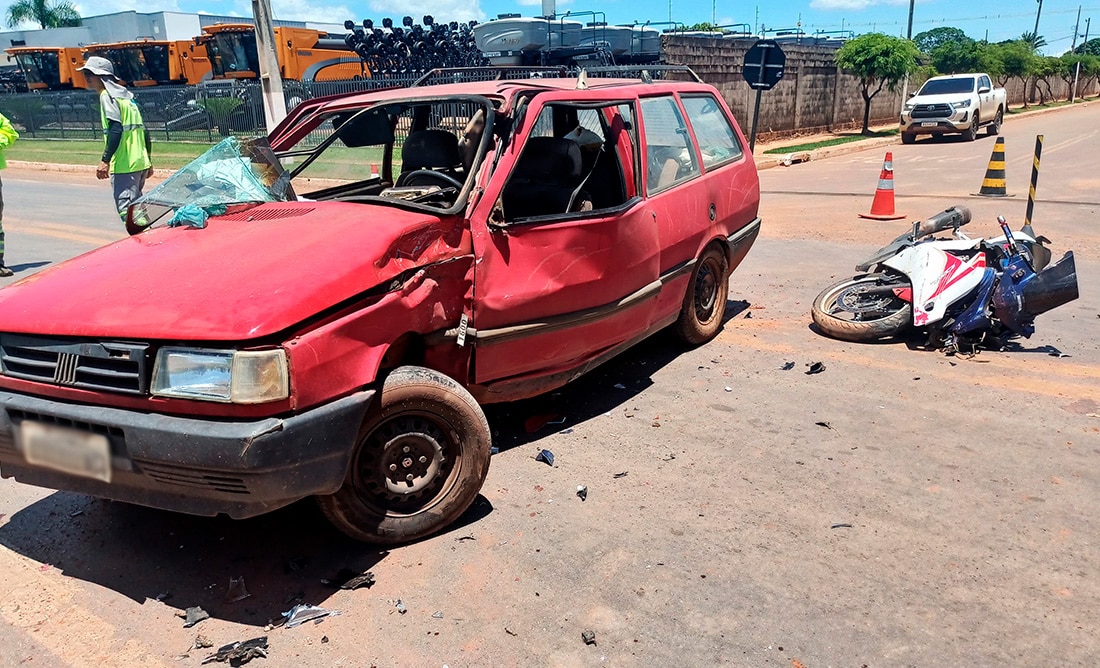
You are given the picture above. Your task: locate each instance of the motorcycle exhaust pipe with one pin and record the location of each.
(1052, 287)
(952, 218)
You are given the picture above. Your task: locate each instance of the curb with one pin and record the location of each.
(74, 169)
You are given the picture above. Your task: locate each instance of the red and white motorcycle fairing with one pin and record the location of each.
(939, 277)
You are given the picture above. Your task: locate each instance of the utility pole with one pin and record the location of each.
(909, 36)
(1037, 13)
(1072, 49)
(271, 82)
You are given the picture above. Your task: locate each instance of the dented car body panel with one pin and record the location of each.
(510, 235)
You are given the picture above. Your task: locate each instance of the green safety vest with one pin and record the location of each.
(131, 155)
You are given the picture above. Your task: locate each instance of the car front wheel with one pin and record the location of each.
(418, 463)
(971, 133)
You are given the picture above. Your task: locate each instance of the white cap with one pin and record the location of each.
(98, 66)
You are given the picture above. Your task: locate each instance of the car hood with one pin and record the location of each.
(244, 276)
(940, 99)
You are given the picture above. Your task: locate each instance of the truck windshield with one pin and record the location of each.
(947, 86)
(232, 52)
(41, 69)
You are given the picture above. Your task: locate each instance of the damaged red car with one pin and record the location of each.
(323, 312)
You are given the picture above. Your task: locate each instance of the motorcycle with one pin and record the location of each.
(964, 291)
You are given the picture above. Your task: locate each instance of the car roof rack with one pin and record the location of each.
(643, 72)
(447, 75)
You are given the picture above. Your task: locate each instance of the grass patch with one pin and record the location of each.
(1048, 105)
(834, 141)
(166, 154)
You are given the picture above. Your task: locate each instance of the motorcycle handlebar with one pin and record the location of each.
(952, 218)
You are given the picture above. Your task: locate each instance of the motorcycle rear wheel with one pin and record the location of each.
(863, 308)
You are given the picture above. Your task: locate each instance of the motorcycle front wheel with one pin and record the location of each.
(864, 308)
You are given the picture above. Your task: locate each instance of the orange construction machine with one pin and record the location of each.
(50, 67)
(303, 54)
(150, 62)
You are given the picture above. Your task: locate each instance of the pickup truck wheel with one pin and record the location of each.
(971, 133)
(418, 463)
(994, 128)
(705, 302)
(908, 137)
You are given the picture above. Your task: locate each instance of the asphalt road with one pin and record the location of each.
(945, 514)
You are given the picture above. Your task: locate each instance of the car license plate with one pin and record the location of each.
(929, 124)
(69, 450)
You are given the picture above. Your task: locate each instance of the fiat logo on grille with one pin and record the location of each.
(65, 373)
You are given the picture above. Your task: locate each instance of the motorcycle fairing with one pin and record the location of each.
(976, 316)
(941, 273)
(1022, 294)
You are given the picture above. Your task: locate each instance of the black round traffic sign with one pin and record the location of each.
(764, 63)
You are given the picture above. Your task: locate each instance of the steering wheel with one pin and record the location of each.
(428, 177)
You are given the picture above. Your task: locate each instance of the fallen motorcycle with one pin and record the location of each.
(966, 292)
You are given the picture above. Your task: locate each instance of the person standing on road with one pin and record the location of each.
(8, 135)
(126, 155)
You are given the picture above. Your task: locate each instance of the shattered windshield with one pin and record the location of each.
(233, 172)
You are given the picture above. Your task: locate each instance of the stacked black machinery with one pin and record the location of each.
(412, 48)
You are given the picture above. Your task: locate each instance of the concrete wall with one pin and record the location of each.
(814, 95)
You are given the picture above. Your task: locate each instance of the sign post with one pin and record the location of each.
(764, 62)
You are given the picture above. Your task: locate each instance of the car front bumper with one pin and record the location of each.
(197, 466)
(958, 122)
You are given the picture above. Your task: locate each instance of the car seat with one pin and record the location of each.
(546, 180)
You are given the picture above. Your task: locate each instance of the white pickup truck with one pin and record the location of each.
(957, 103)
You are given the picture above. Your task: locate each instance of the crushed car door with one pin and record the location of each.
(567, 265)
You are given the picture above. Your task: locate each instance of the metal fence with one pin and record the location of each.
(220, 108)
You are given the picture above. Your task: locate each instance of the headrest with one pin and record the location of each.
(553, 158)
(430, 149)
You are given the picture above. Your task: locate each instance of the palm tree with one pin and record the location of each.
(59, 14)
(1034, 40)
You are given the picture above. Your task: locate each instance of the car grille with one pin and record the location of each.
(7, 441)
(179, 476)
(932, 111)
(115, 367)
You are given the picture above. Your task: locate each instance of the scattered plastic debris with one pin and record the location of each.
(620, 386)
(438, 614)
(620, 475)
(237, 590)
(816, 367)
(566, 431)
(349, 579)
(494, 450)
(192, 616)
(545, 456)
(324, 640)
(201, 642)
(239, 653)
(582, 492)
(81, 512)
(400, 605)
(302, 613)
(462, 538)
(589, 637)
(826, 425)
(842, 525)
(729, 389)
(1054, 352)
(669, 458)
(162, 597)
(787, 366)
(510, 632)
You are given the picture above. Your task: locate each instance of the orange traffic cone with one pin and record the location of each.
(882, 208)
(374, 170)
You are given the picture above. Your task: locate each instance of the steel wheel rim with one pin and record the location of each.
(407, 464)
(706, 291)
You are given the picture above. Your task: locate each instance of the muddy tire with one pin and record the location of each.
(971, 133)
(704, 304)
(863, 308)
(994, 128)
(908, 137)
(418, 462)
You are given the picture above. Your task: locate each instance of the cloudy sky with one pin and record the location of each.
(1005, 19)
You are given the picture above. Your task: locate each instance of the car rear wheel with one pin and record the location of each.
(971, 133)
(418, 463)
(704, 304)
(994, 128)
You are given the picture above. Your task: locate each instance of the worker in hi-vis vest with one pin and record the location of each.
(128, 147)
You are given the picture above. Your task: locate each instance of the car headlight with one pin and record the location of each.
(961, 105)
(909, 106)
(229, 376)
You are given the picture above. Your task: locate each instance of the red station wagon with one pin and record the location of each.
(323, 313)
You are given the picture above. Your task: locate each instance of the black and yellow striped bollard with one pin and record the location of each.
(1034, 179)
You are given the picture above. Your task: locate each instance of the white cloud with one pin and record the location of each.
(854, 4)
(442, 10)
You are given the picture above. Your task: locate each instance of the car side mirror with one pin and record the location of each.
(983, 89)
(913, 93)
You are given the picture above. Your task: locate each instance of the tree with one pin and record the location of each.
(59, 14)
(958, 56)
(880, 61)
(705, 26)
(1091, 47)
(1034, 40)
(1017, 59)
(930, 40)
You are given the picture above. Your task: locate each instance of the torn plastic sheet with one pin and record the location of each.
(300, 614)
(232, 172)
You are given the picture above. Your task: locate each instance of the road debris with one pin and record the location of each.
(620, 386)
(400, 605)
(816, 367)
(462, 538)
(511, 632)
(201, 642)
(237, 590)
(304, 612)
(787, 366)
(620, 475)
(589, 637)
(729, 389)
(192, 616)
(545, 456)
(826, 425)
(349, 579)
(239, 653)
(438, 614)
(841, 525)
(582, 492)
(324, 640)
